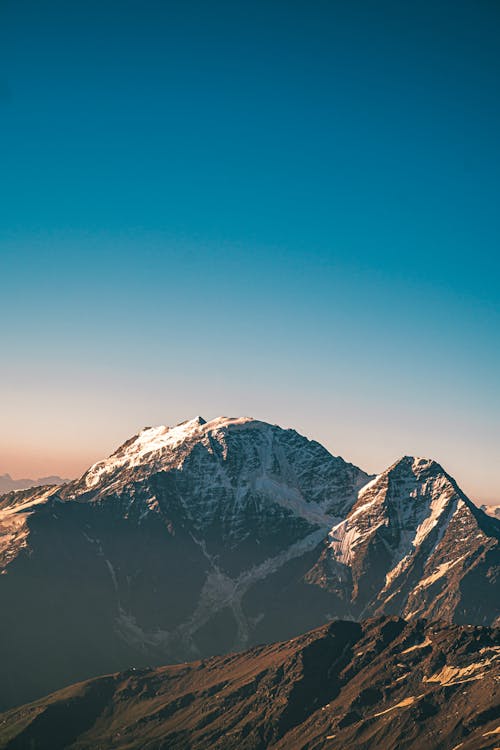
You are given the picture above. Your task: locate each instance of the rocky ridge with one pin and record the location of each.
(381, 683)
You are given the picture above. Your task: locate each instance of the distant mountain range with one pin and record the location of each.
(491, 510)
(7, 484)
(385, 683)
(211, 537)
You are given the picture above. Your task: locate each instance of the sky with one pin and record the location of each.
(286, 210)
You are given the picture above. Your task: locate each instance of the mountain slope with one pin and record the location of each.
(212, 537)
(383, 683)
(149, 556)
(414, 545)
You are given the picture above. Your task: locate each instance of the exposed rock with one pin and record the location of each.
(383, 683)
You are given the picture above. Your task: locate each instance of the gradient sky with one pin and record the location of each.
(287, 210)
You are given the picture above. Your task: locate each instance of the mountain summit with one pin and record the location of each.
(213, 536)
(232, 464)
(413, 544)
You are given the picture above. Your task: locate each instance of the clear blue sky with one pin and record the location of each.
(282, 209)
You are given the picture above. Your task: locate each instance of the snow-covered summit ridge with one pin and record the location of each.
(409, 499)
(154, 446)
(228, 462)
(418, 467)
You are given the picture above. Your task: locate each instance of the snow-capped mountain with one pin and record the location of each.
(413, 544)
(212, 536)
(234, 478)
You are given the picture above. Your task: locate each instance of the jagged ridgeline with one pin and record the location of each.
(213, 536)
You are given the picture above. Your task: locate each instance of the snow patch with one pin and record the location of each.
(427, 642)
(402, 704)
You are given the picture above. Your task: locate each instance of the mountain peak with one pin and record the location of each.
(196, 421)
(234, 461)
(416, 465)
(411, 532)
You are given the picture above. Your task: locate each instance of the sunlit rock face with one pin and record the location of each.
(212, 536)
(414, 545)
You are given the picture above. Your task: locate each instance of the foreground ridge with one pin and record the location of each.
(381, 683)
